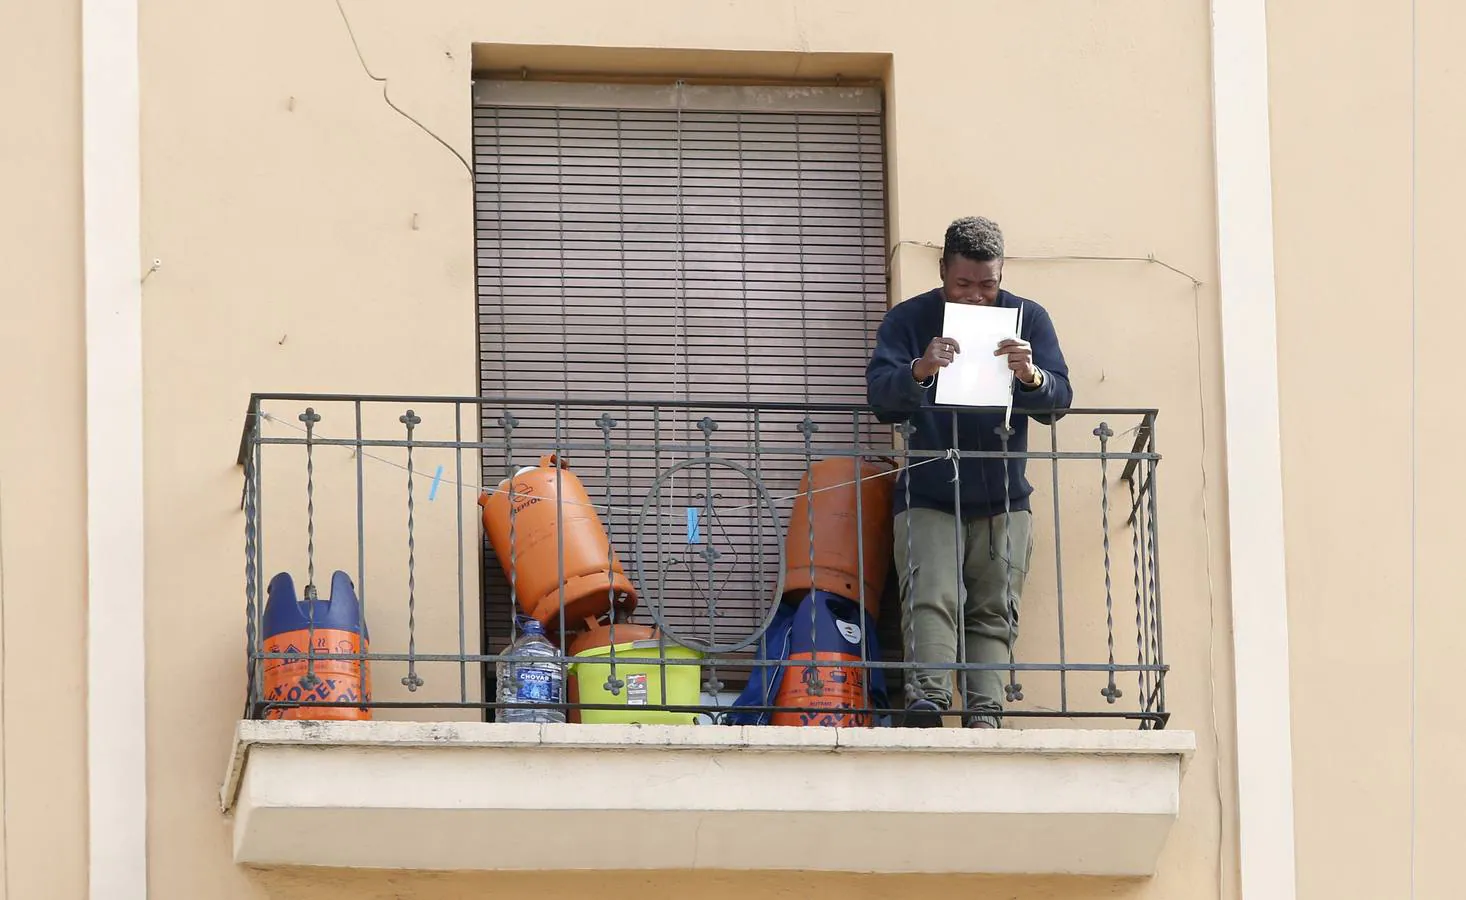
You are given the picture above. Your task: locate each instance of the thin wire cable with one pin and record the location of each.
(601, 507)
(1414, 434)
(681, 417)
(681, 282)
(1196, 285)
(4, 731)
(1062, 257)
(351, 33)
(1211, 606)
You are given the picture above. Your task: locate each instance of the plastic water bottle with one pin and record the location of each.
(530, 676)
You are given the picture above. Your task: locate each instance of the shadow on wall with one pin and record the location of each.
(356, 884)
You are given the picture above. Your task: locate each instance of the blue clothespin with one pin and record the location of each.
(694, 535)
(437, 479)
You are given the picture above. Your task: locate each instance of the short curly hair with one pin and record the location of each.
(977, 238)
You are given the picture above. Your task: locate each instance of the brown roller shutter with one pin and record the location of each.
(685, 243)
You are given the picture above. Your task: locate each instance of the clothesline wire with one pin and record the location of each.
(606, 507)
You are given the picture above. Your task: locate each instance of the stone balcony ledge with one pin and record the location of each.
(483, 796)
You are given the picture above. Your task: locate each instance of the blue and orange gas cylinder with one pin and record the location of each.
(338, 628)
(835, 693)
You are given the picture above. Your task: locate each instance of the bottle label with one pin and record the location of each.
(538, 686)
(636, 689)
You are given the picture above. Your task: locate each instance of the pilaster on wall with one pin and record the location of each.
(1254, 453)
(116, 724)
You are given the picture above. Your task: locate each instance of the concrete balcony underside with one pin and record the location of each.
(456, 796)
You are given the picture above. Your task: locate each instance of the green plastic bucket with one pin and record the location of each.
(642, 690)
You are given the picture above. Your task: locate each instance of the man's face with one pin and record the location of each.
(968, 281)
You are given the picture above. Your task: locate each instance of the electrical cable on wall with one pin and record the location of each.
(4, 731)
(1414, 433)
(1211, 593)
(351, 33)
(1060, 257)
(1196, 285)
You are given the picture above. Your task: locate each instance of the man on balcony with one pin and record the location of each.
(984, 504)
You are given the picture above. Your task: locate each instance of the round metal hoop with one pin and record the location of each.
(654, 599)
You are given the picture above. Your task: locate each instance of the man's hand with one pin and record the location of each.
(939, 354)
(1020, 359)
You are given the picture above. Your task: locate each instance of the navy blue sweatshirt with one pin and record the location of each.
(896, 396)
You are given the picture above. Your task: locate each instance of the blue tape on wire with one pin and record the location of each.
(693, 535)
(437, 480)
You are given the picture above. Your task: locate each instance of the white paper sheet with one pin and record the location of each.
(976, 377)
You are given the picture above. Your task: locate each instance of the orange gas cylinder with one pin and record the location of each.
(837, 566)
(829, 695)
(598, 634)
(539, 517)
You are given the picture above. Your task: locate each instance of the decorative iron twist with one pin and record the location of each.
(1157, 697)
(707, 425)
(812, 680)
(908, 676)
(1013, 691)
(1111, 692)
(309, 681)
(251, 585)
(613, 684)
(412, 681)
(508, 422)
(1139, 598)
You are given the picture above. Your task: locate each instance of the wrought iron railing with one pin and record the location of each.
(395, 496)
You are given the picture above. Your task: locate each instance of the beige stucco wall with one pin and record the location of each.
(1440, 321)
(281, 192)
(1341, 164)
(42, 456)
(1084, 132)
(1343, 160)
